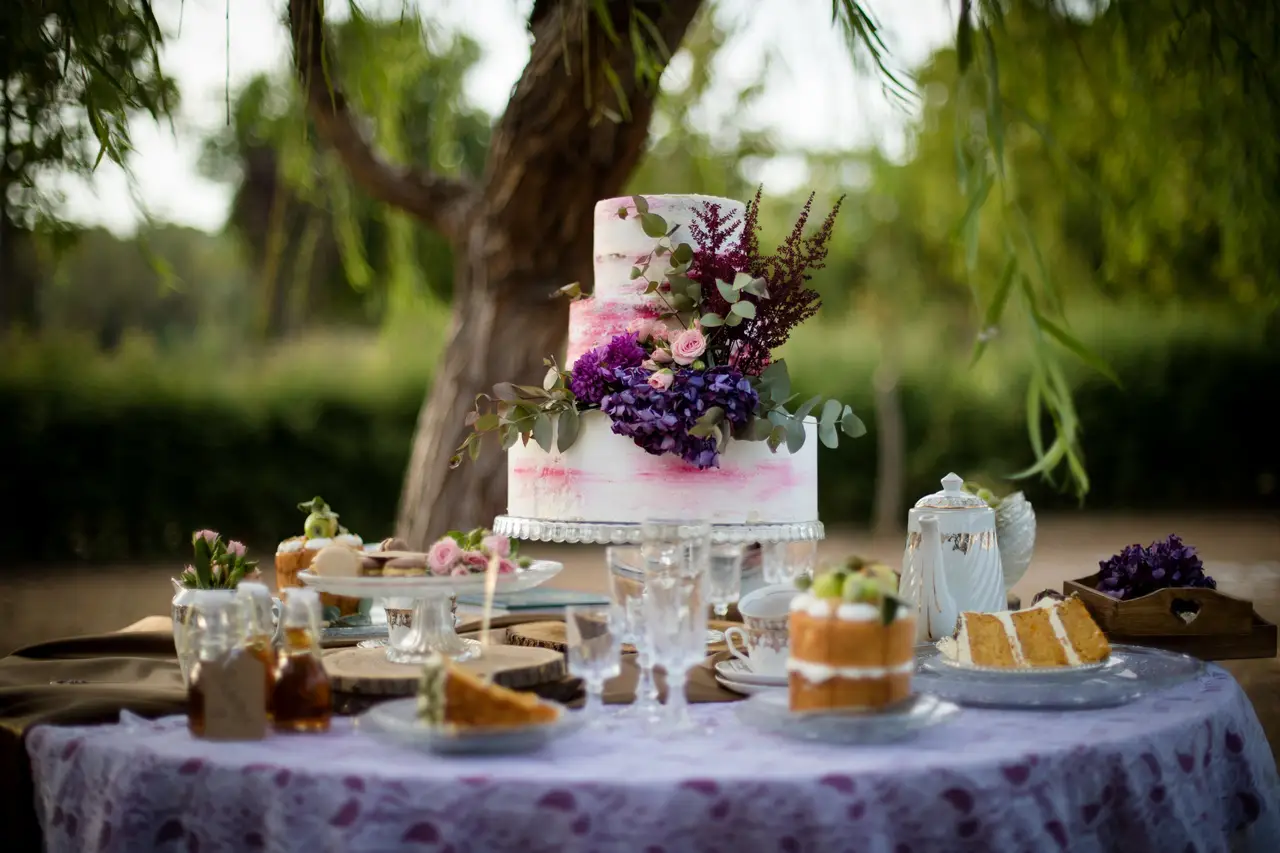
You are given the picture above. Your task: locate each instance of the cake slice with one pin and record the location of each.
(1052, 632)
(450, 695)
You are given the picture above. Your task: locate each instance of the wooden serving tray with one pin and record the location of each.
(1220, 626)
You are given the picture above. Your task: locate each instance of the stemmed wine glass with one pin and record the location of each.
(626, 590)
(724, 578)
(593, 649)
(675, 621)
(786, 561)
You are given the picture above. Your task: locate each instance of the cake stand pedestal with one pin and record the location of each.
(430, 627)
(628, 533)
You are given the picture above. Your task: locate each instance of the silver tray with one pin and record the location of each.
(1130, 672)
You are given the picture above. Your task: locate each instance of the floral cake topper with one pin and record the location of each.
(702, 371)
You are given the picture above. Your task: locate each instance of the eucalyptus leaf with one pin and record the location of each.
(721, 432)
(567, 429)
(776, 437)
(756, 429)
(636, 272)
(732, 319)
(795, 435)
(681, 302)
(778, 417)
(486, 422)
(505, 391)
(828, 436)
(830, 412)
(543, 431)
(682, 254)
(804, 410)
(726, 290)
(710, 321)
(852, 425)
(659, 250)
(707, 424)
(509, 437)
(474, 450)
(641, 203)
(744, 309)
(651, 287)
(758, 287)
(551, 380)
(741, 280)
(779, 380)
(653, 225)
(531, 392)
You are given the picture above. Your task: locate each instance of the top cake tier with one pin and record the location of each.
(621, 243)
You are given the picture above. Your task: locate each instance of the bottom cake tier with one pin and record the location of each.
(606, 478)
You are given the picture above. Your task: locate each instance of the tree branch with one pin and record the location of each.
(444, 203)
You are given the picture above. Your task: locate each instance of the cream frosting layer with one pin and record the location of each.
(817, 673)
(847, 611)
(604, 477)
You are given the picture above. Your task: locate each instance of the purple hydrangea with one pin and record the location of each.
(658, 420)
(594, 373)
(1138, 571)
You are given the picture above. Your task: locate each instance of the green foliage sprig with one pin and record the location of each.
(217, 564)
(549, 414)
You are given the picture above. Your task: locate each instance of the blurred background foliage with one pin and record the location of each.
(287, 356)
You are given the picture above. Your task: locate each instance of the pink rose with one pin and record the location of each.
(507, 567)
(642, 329)
(662, 380)
(649, 364)
(460, 572)
(236, 549)
(686, 346)
(661, 356)
(475, 561)
(659, 332)
(442, 555)
(496, 544)
(207, 535)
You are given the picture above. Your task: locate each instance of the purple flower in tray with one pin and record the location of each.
(594, 373)
(1138, 571)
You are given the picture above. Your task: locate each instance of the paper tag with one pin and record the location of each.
(234, 698)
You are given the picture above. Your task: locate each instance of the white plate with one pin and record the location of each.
(398, 721)
(740, 671)
(424, 586)
(746, 689)
(770, 712)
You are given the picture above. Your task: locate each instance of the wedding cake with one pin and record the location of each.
(672, 403)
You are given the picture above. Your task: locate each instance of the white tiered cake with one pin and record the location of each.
(607, 478)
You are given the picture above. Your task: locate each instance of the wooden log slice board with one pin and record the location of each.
(368, 672)
(551, 635)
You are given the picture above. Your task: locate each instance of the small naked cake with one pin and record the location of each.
(297, 553)
(1053, 631)
(852, 641)
(451, 696)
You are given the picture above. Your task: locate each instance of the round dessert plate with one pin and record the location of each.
(1130, 672)
(740, 671)
(744, 688)
(538, 572)
(769, 711)
(398, 721)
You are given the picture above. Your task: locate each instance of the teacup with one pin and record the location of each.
(764, 634)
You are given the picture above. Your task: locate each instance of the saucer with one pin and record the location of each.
(769, 712)
(745, 689)
(735, 669)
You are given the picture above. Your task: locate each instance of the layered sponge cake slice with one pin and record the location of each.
(1051, 633)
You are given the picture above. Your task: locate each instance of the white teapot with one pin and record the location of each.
(966, 530)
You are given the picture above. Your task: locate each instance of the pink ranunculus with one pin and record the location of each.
(460, 572)
(209, 536)
(659, 332)
(442, 556)
(661, 356)
(507, 567)
(662, 380)
(686, 346)
(475, 561)
(496, 543)
(236, 549)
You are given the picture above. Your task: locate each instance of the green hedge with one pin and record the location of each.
(124, 466)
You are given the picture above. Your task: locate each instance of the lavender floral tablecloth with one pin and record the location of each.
(1185, 770)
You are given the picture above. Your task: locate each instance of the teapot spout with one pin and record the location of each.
(937, 614)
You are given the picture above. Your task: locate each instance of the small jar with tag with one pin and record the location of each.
(256, 630)
(301, 700)
(215, 640)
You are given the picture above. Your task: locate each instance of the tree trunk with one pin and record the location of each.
(891, 449)
(519, 234)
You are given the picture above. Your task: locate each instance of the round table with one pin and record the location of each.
(1188, 769)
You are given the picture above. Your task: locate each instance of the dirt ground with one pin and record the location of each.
(1241, 551)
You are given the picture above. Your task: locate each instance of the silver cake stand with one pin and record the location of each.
(617, 533)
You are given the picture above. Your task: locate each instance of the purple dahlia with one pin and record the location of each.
(594, 372)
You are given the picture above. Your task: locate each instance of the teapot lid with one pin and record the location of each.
(952, 496)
